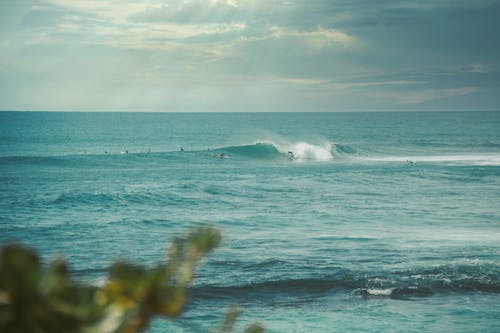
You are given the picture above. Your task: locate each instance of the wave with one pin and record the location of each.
(264, 150)
(302, 151)
(258, 150)
(398, 285)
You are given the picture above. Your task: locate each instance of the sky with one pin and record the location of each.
(249, 55)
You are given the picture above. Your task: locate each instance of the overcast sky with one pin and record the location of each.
(249, 55)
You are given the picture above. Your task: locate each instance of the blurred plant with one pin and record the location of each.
(230, 321)
(38, 298)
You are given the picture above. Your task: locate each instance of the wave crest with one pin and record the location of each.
(424, 282)
(302, 151)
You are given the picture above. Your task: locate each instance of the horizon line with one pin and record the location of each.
(317, 111)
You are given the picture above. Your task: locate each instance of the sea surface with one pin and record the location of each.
(379, 222)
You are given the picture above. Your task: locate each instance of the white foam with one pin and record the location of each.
(304, 151)
(380, 292)
(470, 159)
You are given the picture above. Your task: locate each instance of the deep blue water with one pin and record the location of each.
(381, 222)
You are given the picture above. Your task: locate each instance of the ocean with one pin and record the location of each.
(376, 222)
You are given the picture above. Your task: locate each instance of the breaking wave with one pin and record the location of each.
(399, 285)
(302, 151)
(264, 150)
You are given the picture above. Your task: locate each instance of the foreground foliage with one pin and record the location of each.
(39, 298)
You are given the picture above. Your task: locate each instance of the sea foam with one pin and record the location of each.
(304, 151)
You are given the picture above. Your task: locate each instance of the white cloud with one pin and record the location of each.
(319, 36)
(312, 40)
(113, 11)
(117, 19)
(377, 83)
(232, 3)
(300, 81)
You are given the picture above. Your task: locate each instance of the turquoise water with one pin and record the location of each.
(381, 222)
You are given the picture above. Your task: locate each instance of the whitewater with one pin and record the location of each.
(380, 222)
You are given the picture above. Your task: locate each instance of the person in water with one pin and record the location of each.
(290, 156)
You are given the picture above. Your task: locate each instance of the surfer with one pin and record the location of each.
(182, 149)
(220, 155)
(290, 155)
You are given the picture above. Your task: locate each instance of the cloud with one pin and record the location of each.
(196, 54)
(113, 11)
(141, 36)
(318, 38)
(151, 27)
